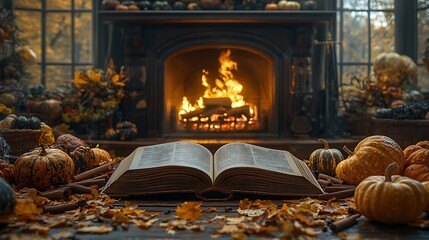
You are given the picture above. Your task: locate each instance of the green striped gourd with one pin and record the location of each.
(325, 160)
(7, 198)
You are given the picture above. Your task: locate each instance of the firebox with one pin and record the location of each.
(219, 74)
(214, 89)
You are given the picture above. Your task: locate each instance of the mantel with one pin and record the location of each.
(218, 16)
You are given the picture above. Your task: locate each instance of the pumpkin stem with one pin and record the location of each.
(43, 151)
(350, 152)
(325, 143)
(389, 170)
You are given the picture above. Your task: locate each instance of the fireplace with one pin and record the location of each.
(268, 84)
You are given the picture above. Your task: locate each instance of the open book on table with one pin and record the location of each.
(181, 167)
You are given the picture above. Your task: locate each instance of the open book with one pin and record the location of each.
(181, 167)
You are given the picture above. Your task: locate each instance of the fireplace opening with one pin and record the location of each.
(219, 89)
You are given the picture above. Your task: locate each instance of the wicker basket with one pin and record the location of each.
(404, 132)
(20, 140)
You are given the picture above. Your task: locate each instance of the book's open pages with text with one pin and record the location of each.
(190, 167)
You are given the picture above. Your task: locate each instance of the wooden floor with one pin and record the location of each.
(301, 148)
(364, 229)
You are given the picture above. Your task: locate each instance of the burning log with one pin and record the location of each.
(245, 110)
(211, 111)
(217, 102)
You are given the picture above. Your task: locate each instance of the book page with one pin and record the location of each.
(174, 154)
(247, 155)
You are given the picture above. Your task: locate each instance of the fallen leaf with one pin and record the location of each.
(189, 211)
(95, 229)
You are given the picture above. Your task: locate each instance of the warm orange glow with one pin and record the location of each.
(220, 116)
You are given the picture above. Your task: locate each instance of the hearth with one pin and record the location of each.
(219, 74)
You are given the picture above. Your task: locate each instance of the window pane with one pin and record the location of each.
(354, 71)
(423, 3)
(382, 33)
(83, 4)
(423, 79)
(58, 38)
(28, 4)
(355, 4)
(382, 4)
(55, 4)
(355, 40)
(423, 34)
(30, 31)
(83, 36)
(58, 76)
(32, 75)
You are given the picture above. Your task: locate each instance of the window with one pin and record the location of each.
(60, 32)
(366, 29)
(422, 42)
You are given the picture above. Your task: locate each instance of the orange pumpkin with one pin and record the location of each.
(101, 156)
(83, 159)
(417, 161)
(371, 157)
(43, 168)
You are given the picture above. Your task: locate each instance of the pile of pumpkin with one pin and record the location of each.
(48, 166)
(392, 184)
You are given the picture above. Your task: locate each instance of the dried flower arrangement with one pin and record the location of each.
(95, 94)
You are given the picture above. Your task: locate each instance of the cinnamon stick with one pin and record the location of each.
(80, 189)
(344, 223)
(93, 172)
(338, 195)
(324, 183)
(64, 207)
(90, 182)
(56, 194)
(329, 178)
(338, 187)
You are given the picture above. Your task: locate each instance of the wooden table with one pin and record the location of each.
(364, 229)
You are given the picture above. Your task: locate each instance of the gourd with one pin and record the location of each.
(7, 121)
(417, 161)
(6, 171)
(101, 156)
(23, 122)
(371, 156)
(289, 5)
(391, 199)
(7, 198)
(43, 168)
(325, 160)
(426, 185)
(271, 6)
(67, 142)
(83, 158)
(46, 136)
(126, 130)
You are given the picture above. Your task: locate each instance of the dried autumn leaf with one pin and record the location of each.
(27, 209)
(119, 217)
(189, 211)
(245, 204)
(144, 224)
(95, 229)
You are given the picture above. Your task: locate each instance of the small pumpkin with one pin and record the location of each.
(6, 171)
(271, 6)
(101, 156)
(391, 199)
(417, 161)
(426, 185)
(7, 198)
(43, 168)
(289, 5)
(83, 158)
(23, 122)
(325, 160)
(371, 156)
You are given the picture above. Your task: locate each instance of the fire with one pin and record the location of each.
(223, 96)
